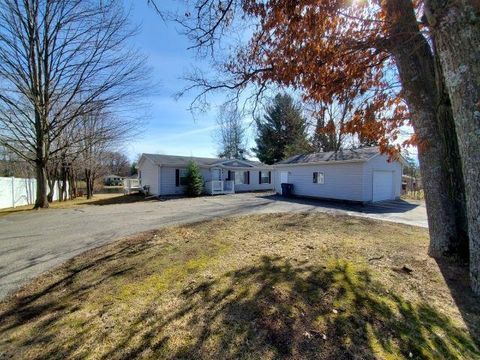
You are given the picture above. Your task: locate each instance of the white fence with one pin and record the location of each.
(21, 191)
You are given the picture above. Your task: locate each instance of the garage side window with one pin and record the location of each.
(318, 177)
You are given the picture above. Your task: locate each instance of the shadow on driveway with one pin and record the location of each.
(384, 207)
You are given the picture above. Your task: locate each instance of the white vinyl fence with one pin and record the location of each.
(21, 191)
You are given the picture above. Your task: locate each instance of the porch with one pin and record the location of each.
(131, 185)
(216, 187)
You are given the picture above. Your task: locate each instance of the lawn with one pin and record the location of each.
(266, 286)
(97, 199)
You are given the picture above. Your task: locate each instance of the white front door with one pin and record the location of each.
(283, 177)
(382, 186)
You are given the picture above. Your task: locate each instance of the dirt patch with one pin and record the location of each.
(270, 286)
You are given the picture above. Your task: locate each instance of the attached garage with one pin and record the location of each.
(358, 175)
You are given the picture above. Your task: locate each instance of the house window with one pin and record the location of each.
(264, 177)
(242, 177)
(318, 178)
(183, 173)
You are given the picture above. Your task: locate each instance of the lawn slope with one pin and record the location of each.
(266, 286)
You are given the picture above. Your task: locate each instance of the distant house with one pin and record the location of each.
(113, 180)
(166, 174)
(360, 175)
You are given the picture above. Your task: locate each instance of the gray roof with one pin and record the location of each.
(175, 160)
(361, 154)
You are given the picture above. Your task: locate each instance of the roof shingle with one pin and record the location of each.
(361, 154)
(183, 160)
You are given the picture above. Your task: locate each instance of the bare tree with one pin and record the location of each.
(60, 60)
(102, 133)
(230, 134)
(117, 163)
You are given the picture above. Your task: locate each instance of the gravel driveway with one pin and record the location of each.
(33, 242)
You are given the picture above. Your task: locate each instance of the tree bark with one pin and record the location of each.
(41, 200)
(452, 161)
(89, 179)
(41, 196)
(456, 26)
(415, 65)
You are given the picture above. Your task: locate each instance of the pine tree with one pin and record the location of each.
(194, 180)
(282, 132)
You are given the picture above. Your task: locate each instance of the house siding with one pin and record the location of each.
(254, 182)
(343, 181)
(149, 176)
(380, 163)
(168, 183)
(161, 179)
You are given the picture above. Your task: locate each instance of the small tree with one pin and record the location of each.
(194, 180)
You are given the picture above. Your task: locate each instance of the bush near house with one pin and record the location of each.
(194, 180)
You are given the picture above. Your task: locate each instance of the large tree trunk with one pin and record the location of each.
(415, 65)
(42, 180)
(41, 200)
(452, 161)
(456, 26)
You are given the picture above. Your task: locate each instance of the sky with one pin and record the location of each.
(169, 127)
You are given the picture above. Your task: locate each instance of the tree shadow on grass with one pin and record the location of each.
(270, 309)
(457, 278)
(336, 312)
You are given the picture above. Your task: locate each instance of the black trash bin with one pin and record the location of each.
(287, 189)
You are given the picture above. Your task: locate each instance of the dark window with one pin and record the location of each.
(264, 177)
(318, 178)
(183, 173)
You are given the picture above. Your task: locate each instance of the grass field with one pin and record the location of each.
(296, 286)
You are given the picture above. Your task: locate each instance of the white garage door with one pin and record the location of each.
(382, 185)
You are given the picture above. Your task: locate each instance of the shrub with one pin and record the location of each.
(194, 180)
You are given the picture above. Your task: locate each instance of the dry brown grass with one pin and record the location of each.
(414, 195)
(266, 286)
(98, 199)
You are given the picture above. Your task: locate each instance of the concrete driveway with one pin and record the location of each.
(33, 242)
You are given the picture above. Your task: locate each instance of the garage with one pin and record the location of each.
(360, 175)
(382, 186)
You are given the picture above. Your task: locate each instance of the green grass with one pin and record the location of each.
(270, 286)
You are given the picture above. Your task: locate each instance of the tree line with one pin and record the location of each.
(66, 75)
(286, 129)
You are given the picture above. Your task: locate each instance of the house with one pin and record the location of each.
(166, 174)
(360, 175)
(113, 180)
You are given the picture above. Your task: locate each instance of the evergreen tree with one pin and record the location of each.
(282, 132)
(194, 180)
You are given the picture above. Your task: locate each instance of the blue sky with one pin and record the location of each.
(169, 126)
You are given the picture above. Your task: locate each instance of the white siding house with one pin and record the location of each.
(163, 174)
(360, 175)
